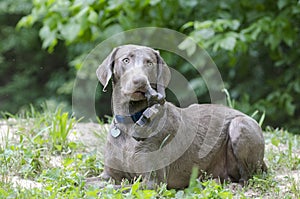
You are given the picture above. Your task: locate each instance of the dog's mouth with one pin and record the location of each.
(139, 92)
(138, 95)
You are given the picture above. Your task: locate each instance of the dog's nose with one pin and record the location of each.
(139, 80)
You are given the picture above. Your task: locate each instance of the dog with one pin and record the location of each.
(162, 143)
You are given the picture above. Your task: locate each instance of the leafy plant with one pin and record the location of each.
(253, 44)
(28, 157)
(231, 104)
(59, 129)
(285, 145)
(28, 75)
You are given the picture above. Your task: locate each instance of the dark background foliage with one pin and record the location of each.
(255, 45)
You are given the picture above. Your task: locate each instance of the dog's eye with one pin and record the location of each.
(126, 60)
(149, 63)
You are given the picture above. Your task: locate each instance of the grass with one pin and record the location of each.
(36, 148)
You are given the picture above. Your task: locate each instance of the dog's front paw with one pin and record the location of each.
(105, 176)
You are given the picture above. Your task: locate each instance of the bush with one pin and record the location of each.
(27, 73)
(254, 44)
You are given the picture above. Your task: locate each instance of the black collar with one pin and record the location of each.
(129, 119)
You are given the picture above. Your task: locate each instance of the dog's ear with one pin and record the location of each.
(163, 74)
(105, 70)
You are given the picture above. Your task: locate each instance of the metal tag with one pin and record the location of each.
(115, 132)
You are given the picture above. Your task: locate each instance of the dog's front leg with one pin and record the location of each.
(105, 176)
(153, 179)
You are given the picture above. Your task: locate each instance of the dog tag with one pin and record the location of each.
(115, 132)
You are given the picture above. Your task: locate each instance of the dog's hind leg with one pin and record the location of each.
(247, 145)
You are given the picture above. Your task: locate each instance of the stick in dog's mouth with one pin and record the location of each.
(153, 97)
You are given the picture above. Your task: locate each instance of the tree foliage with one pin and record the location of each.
(262, 62)
(255, 43)
(27, 73)
(86, 21)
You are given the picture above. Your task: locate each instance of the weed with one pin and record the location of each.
(283, 152)
(60, 128)
(295, 187)
(231, 104)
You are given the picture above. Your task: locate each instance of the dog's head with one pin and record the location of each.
(134, 69)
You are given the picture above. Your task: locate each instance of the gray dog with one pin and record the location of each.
(163, 143)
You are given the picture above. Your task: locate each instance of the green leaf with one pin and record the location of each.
(70, 31)
(189, 45)
(255, 33)
(275, 141)
(262, 118)
(58, 147)
(82, 14)
(290, 107)
(188, 4)
(68, 161)
(114, 4)
(205, 34)
(111, 30)
(179, 194)
(297, 86)
(201, 25)
(135, 187)
(124, 21)
(146, 194)
(154, 2)
(187, 25)
(282, 3)
(228, 43)
(228, 98)
(48, 37)
(193, 178)
(93, 17)
(26, 22)
(235, 24)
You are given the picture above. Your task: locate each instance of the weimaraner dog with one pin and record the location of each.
(162, 143)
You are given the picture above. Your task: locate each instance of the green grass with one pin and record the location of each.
(31, 142)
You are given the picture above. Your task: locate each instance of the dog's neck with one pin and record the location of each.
(136, 106)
